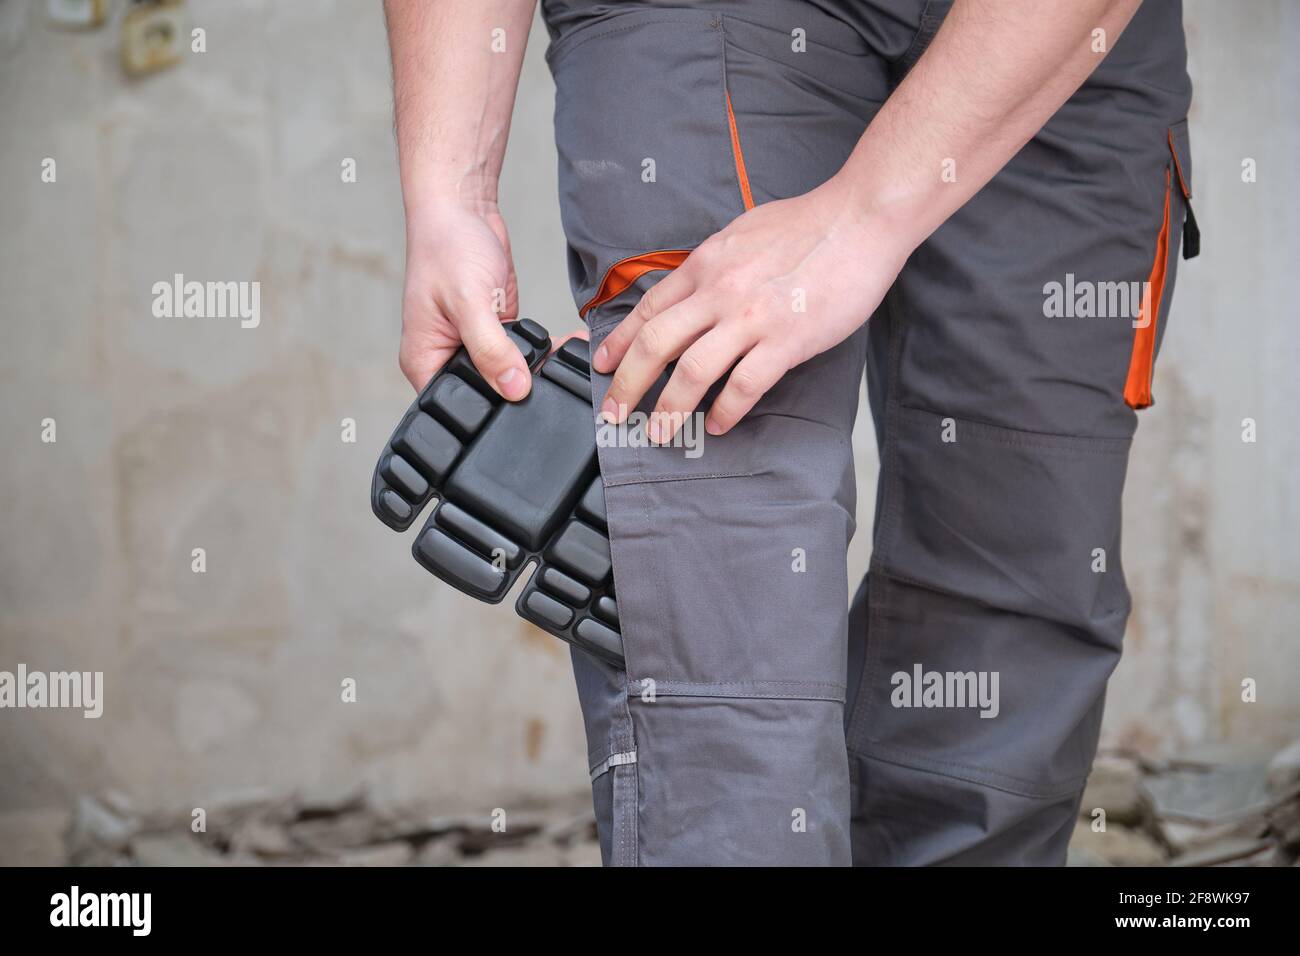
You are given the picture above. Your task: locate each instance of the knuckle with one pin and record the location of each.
(649, 341)
(693, 370)
(466, 294)
(745, 384)
(619, 387)
(493, 353)
(649, 303)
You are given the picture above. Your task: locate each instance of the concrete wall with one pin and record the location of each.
(175, 434)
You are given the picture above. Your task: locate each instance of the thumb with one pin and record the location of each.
(497, 359)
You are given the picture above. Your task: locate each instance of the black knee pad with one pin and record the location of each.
(516, 483)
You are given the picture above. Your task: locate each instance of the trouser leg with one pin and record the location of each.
(995, 606)
(731, 585)
(723, 740)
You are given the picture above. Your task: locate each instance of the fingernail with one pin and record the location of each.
(654, 429)
(511, 383)
(609, 411)
(712, 427)
(602, 356)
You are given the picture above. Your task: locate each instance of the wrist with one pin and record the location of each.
(435, 191)
(433, 209)
(881, 226)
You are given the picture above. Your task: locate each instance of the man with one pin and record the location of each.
(743, 186)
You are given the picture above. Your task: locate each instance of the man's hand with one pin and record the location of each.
(455, 71)
(780, 284)
(460, 287)
(995, 73)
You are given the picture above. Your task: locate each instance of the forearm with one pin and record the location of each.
(454, 83)
(994, 74)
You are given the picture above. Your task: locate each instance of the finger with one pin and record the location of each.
(663, 295)
(748, 382)
(497, 359)
(658, 343)
(419, 365)
(704, 363)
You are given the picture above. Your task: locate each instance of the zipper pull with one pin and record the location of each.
(1191, 233)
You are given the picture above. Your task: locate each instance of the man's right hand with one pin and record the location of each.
(460, 288)
(455, 71)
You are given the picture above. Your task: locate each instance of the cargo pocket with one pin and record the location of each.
(648, 149)
(1177, 222)
(997, 603)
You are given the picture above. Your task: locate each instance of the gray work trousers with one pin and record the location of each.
(949, 713)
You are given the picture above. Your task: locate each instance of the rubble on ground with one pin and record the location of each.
(1213, 807)
(263, 831)
(1210, 807)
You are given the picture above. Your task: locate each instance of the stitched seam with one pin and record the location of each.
(607, 321)
(1026, 439)
(983, 778)
(890, 515)
(862, 52)
(634, 771)
(623, 825)
(559, 51)
(829, 685)
(748, 690)
(898, 577)
(631, 814)
(733, 132)
(623, 739)
(721, 695)
(758, 413)
(1183, 184)
(660, 479)
(820, 80)
(716, 694)
(927, 26)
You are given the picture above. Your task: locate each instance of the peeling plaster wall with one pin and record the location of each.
(182, 433)
(1211, 522)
